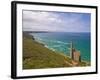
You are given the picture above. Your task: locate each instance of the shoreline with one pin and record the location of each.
(61, 53)
(37, 55)
(39, 41)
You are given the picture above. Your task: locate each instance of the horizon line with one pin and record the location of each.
(56, 31)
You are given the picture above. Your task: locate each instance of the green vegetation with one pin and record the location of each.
(36, 56)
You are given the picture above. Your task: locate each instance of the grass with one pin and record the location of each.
(36, 56)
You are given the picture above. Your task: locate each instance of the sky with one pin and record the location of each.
(56, 21)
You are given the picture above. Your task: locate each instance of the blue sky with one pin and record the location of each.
(56, 21)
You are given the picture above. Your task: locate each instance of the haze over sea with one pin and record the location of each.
(59, 41)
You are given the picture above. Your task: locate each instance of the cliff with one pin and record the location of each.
(36, 56)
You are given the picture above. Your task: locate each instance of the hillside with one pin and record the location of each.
(35, 56)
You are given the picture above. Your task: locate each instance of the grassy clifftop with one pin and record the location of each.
(35, 56)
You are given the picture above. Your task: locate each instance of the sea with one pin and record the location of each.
(60, 42)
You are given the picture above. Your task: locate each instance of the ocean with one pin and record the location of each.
(60, 42)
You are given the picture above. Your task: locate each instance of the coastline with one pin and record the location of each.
(39, 41)
(60, 41)
(32, 50)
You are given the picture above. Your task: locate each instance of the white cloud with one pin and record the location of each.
(52, 21)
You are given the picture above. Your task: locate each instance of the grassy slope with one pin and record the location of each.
(35, 55)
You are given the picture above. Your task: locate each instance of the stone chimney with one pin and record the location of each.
(71, 50)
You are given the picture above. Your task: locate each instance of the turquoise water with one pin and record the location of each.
(59, 41)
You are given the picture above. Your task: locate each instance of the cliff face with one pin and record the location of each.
(26, 35)
(35, 55)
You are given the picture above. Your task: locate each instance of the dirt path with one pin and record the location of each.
(72, 64)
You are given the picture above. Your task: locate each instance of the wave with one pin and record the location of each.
(53, 45)
(61, 42)
(50, 48)
(51, 41)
